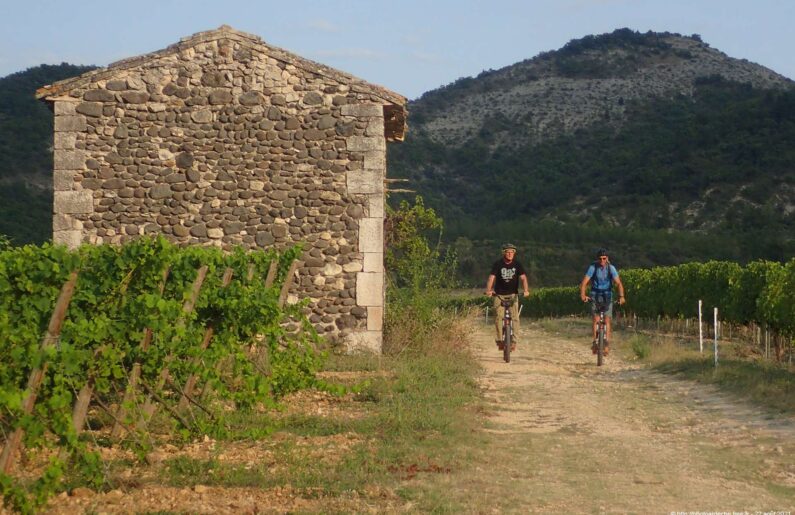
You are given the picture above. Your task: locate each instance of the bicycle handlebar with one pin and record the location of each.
(601, 306)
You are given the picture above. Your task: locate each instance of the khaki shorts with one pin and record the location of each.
(595, 305)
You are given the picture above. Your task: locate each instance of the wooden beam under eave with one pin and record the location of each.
(395, 122)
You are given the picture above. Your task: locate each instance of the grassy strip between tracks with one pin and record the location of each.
(764, 382)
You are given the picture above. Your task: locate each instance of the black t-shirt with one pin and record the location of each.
(506, 275)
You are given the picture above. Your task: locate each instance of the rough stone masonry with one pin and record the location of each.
(223, 140)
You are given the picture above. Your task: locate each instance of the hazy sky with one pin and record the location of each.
(408, 46)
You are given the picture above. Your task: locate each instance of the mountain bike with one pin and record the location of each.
(602, 304)
(508, 340)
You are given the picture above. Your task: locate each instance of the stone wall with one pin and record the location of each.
(222, 144)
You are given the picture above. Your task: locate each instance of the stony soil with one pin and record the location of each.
(141, 488)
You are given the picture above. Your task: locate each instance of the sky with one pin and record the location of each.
(407, 46)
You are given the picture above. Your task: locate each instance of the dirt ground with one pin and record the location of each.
(566, 436)
(560, 435)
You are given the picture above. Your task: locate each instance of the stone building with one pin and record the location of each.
(223, 140)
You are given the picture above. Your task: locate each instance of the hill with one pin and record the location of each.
(655, 145)
(589, 81)
(26, 153)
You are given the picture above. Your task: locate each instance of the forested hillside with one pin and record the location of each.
(26, 153)
(705, 171)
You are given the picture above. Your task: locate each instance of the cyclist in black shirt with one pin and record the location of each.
(504, 281)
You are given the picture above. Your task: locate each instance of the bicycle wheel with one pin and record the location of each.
(600, 346)
(507, 341)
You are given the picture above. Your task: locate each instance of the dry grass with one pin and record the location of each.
(766, 383)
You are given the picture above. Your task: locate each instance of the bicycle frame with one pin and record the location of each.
(507, 327)
(601, 331)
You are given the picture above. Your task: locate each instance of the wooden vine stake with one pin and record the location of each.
(271, 273)
(270, 278)
(135, 373)
(190, 384)
(288, 280)
(149, 406)
(37, 375)
(80, 409)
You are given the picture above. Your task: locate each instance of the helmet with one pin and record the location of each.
(508, 246)
(601, 252)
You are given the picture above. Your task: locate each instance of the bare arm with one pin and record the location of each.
(583, 285)
(490, 285)
(620, 285)
(523, 277)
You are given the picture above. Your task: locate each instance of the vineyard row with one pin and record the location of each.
(138, 331)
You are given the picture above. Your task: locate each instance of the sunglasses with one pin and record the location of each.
(603, 258)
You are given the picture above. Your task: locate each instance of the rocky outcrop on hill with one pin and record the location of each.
(588, 81)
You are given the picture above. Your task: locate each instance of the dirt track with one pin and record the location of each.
(565, 436)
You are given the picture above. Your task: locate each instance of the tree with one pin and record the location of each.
(411, 261)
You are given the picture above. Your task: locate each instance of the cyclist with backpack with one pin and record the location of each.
(602, 275)
(504, 281)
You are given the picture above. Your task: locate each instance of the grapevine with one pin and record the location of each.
(144, 291)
